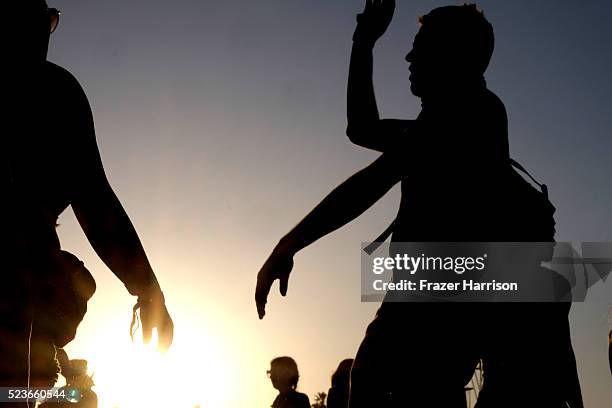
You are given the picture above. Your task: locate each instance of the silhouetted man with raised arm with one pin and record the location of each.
(450, 161)
(50, 161)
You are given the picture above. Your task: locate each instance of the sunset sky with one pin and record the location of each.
(221, 123)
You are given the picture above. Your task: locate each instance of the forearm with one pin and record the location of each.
(365, 127)
(345, 203)
(362, 110)
(116, 242)
(125, 256)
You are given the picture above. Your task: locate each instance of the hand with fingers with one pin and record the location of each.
(374, 21)
(153, 314)
(277, 266)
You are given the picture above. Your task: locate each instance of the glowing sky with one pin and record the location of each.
(221, 123)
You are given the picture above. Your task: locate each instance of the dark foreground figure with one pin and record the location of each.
(457, 185)
(50, 161)
(284, 375)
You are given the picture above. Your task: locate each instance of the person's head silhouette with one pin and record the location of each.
(284, 374)
(341, 376)
(28, 26)
(451, 50)
(339, 392)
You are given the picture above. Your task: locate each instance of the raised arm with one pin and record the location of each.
(365, 128)
(345, 203)
(107, 225)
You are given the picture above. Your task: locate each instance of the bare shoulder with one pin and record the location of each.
(65, 86)
(494, 104)
(73, 118)
(60, 75)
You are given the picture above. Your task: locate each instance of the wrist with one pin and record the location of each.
(151, 294)
(363, 33)
(362, 41)
(287, 245)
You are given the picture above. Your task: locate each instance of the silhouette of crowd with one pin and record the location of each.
(459, 148)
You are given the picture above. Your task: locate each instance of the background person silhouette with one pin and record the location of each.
(77, 378)
(284, 375)
(338, 395)
(452, 162)
(51, 161)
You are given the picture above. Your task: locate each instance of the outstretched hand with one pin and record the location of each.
(153, 314)
(374, 21)
(278, 266)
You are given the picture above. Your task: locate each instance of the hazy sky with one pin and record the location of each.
(221, 123)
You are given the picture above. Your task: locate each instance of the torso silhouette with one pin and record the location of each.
(454, 190)
(452, 169)
(291, 399)
(49, 153)
(52, 145)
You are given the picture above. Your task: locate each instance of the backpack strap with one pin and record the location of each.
(369, 249)
(373, 246)
(519, 167)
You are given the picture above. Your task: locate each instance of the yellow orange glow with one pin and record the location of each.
(133, 375)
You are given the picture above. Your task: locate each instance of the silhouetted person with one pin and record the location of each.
(284, 375)
(338, 395)
(50, 161)
(453, 164)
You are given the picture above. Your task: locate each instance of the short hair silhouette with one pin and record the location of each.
(461, 32)
(32, 24)
(338, 394)
(285, 369)
(342, 373)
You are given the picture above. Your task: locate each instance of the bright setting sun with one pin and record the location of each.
(134, 375)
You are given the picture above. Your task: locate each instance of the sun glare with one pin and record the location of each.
(133, 375)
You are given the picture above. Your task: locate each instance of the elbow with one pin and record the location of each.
(355, 135)
(363, 136)
(351, 134)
